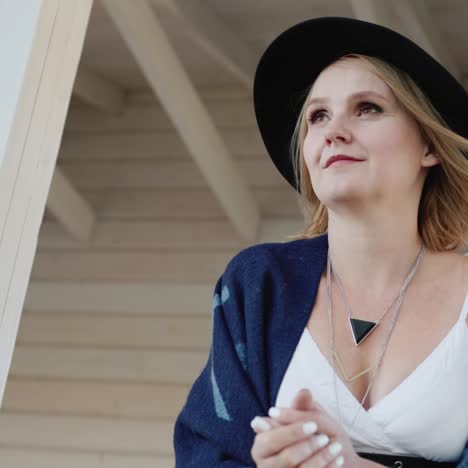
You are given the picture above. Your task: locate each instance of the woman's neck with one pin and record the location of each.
(375, 265)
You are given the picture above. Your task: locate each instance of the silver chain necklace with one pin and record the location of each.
(387, 338)
(368, 326)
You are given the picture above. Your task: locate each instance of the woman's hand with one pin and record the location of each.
(285, 444)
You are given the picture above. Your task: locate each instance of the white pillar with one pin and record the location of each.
(40, 50)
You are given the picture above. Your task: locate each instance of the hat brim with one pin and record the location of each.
(297, 56)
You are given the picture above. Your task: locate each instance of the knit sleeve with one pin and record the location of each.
(462, 462)
(213, 427)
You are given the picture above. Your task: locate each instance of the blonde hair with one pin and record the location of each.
(443, 207)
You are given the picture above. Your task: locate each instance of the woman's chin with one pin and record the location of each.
(348, 188)
(342, 196)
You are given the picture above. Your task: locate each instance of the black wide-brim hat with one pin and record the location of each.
(297, 56)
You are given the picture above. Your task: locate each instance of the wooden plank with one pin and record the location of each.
(120, 436)
(168, 367)
(27, 457)
(137, 261)
(171, 205)
(210, 92)
(130, 266)
(47, 62)
(168, 234)
(70, 208)
(423, 30)
(55, 397)
(115, 331)
(377, 11)
(154, 299)
(136, 145)
(278, 229)
(138, 25)
(162, 234)
(207, 30)
(95, 90)
(167, 174)
(233, 114)
(411, 19)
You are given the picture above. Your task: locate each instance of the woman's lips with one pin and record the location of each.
(342, 162)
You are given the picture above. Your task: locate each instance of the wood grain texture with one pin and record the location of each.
(119, 365)
(111, 331)
(106, 435)
(78, 398)
(183, 204)
(27, 457)
(130, 266)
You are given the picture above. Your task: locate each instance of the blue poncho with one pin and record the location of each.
(261, 305)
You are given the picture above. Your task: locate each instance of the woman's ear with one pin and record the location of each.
(431, 157)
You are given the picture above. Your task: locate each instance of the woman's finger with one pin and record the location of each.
(303, 400)
(269, 443)
(328, 457)
(292, 452)
(262, 424)
(288, 415)
(299, 453)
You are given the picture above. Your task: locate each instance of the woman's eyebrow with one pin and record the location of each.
(360, 94)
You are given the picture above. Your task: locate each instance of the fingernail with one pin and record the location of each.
(259, 423)
(309, 427)
(322, 440)
(274, 412)
(340, 460)
(335, 448)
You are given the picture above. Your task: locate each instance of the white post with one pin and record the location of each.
(40, 47)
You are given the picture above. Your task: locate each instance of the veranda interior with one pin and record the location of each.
(160, 178)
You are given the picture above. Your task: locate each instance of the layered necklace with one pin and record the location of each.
(361, 329)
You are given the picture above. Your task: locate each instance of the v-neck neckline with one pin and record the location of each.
(416, 371)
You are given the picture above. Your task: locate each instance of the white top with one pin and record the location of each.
(426, 415)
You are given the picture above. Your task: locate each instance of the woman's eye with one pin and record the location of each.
(313, 116)
(370, 105)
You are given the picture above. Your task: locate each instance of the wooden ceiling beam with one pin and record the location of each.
(146, 39)
(412, 19)
(375, 11)
(70, 208)
(97, 91)
(214, 36)
(418, 24)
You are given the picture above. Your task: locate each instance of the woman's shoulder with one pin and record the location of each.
(441, 263)
(267, 255)
(446, 272)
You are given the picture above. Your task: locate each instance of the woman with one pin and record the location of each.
(366, 309)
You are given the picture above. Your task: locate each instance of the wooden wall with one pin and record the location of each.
(114, 332)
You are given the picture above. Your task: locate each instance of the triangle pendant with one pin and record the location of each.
(361, 329)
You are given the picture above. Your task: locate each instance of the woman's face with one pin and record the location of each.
(371, 127)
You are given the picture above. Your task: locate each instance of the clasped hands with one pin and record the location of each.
(302, 436)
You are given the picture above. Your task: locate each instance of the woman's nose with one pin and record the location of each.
(337, 133)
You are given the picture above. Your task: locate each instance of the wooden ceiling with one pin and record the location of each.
(255, 24)
(183, 55)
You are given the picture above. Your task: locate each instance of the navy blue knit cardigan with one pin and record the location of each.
(261, 305)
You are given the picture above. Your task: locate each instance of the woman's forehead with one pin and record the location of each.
(346, 78)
